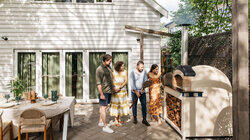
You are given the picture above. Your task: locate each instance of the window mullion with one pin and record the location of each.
(38, 66)
(62, 82)
(22, 66)
(29, 72)
(47, 73)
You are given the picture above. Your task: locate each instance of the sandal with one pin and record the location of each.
(120, 121)
(118, 124)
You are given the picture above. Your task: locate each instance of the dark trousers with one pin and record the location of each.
(142, 99)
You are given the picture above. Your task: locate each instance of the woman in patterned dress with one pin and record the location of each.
(119, 101)
(155, 105)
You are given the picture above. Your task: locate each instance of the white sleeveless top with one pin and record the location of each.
(119, 79)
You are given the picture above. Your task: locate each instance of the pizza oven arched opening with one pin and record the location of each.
(179, 81)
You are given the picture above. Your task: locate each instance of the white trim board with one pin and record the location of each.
(157, 7)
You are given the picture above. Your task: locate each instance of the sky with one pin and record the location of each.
(171, 6)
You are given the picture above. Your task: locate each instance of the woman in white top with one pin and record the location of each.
(119, 100)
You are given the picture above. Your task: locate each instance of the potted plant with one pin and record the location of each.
(17, 87)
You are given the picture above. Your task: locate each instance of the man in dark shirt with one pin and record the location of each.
(106, 88)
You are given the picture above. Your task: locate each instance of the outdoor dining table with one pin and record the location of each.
(64, 105)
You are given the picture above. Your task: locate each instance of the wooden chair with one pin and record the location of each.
(32, 121)
(5, 127)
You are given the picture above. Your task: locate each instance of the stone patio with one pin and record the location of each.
(86, 128)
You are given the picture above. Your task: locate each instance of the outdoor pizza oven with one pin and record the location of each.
(198, 101)
(182, 76)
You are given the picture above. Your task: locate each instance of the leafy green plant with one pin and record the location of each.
(175, 49)
(17, 86)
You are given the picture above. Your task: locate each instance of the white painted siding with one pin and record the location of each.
(67, 26)
(6, 68)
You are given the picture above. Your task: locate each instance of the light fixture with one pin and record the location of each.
(138, 40)
(5, 38)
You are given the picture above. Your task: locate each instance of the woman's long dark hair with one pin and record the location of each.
(118, 65)
(154, 66)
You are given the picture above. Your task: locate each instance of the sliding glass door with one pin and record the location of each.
(73, 74)
(27, 69)
(50, 72)
(95, 60)
(120, 56)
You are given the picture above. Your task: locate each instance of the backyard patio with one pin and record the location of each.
(50, 51)
(86, 128)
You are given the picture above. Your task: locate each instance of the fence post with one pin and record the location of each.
(240, 61)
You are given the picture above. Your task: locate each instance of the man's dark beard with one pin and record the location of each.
(107, 65)
(140, 70)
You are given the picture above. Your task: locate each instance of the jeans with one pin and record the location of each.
(142, 99)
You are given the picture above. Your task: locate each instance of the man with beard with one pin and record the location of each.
(137, 78)
(106, 88)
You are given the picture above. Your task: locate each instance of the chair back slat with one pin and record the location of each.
(39, 121)
(32, 116)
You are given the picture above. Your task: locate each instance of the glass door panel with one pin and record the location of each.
(27, 69)
(95, 60)
(120, 56)
(50, 72)
(74, 79)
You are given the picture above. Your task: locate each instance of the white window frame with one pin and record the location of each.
(87, 74)
(72, 1)
(62, 65)
(62, 54)
(38, 70)
(129, 68)
(84, 97)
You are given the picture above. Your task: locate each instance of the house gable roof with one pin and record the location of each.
(157, 7)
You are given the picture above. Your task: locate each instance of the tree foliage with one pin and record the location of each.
(186, 14)
(206, 16)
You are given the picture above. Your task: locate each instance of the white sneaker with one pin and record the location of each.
(100, 124)
(107, 129)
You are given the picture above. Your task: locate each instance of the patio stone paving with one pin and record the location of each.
(86, 128)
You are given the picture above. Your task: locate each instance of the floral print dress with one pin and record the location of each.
(155, 104)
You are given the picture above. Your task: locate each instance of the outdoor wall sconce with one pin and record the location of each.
(5, 38)
(138, 40)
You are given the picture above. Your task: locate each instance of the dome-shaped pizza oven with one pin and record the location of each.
(197, 100)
